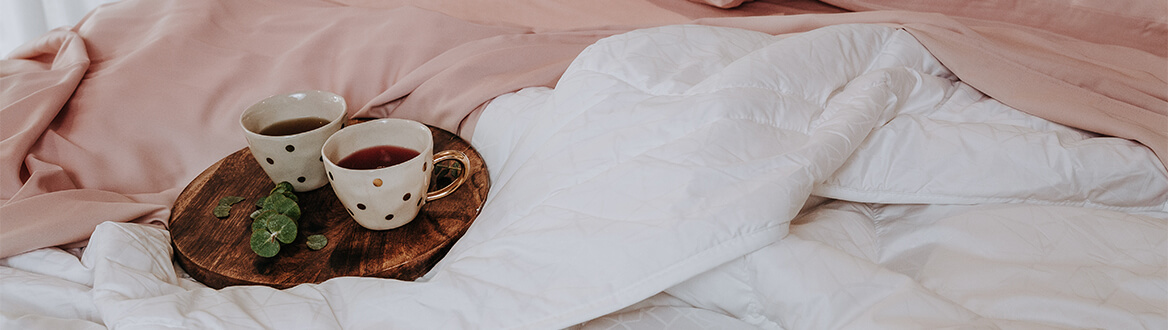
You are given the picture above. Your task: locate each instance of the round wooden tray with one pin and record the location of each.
(217, 252)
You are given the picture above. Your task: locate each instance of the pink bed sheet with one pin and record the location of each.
(109, 120)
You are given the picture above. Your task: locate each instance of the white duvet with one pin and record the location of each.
(703, 177)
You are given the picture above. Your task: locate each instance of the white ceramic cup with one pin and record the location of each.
(387, 197)
(294, 158)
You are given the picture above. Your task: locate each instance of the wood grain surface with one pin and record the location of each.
(217, 252)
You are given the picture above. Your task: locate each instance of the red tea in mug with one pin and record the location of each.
(377, 157)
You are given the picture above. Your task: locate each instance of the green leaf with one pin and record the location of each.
(283, 205)
(230, 200)
(283, 226)
(284, 187)
(264, 243)
(317, 242)
(275, 220)
(261, 219)
(221, 211)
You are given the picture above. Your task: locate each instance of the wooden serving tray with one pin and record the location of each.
(217, 252)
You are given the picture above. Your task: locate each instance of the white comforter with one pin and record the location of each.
(661, 183)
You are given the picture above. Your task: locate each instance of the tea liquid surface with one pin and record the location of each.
(377, 157)
(293, 126)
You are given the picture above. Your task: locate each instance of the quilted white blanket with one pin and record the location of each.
(662, 183)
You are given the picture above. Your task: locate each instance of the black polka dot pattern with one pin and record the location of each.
(389, 217)
(360, 206)
(406, 197)
(270, 161)
(290, 148)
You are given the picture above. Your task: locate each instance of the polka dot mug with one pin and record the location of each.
(285, 133)
(380, 170)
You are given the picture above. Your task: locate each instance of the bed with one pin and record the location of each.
(654, 164)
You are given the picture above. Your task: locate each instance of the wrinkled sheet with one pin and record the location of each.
(82, 146)
(700, 171)
(632, 189)
(161, 97)
(112, 118)
(876, 266)
(165, 81)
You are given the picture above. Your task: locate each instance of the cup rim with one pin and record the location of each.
(344, 110)
(332, 140)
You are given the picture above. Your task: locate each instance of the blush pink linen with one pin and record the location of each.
(1139, 24)
(1111, 89)
(1096, 65)
(108, 121)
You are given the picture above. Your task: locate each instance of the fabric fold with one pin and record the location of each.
(142, 96)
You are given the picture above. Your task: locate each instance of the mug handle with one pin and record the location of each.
(456, 156)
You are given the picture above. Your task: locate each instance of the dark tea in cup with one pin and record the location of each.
(294, 126)
(377, 157)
